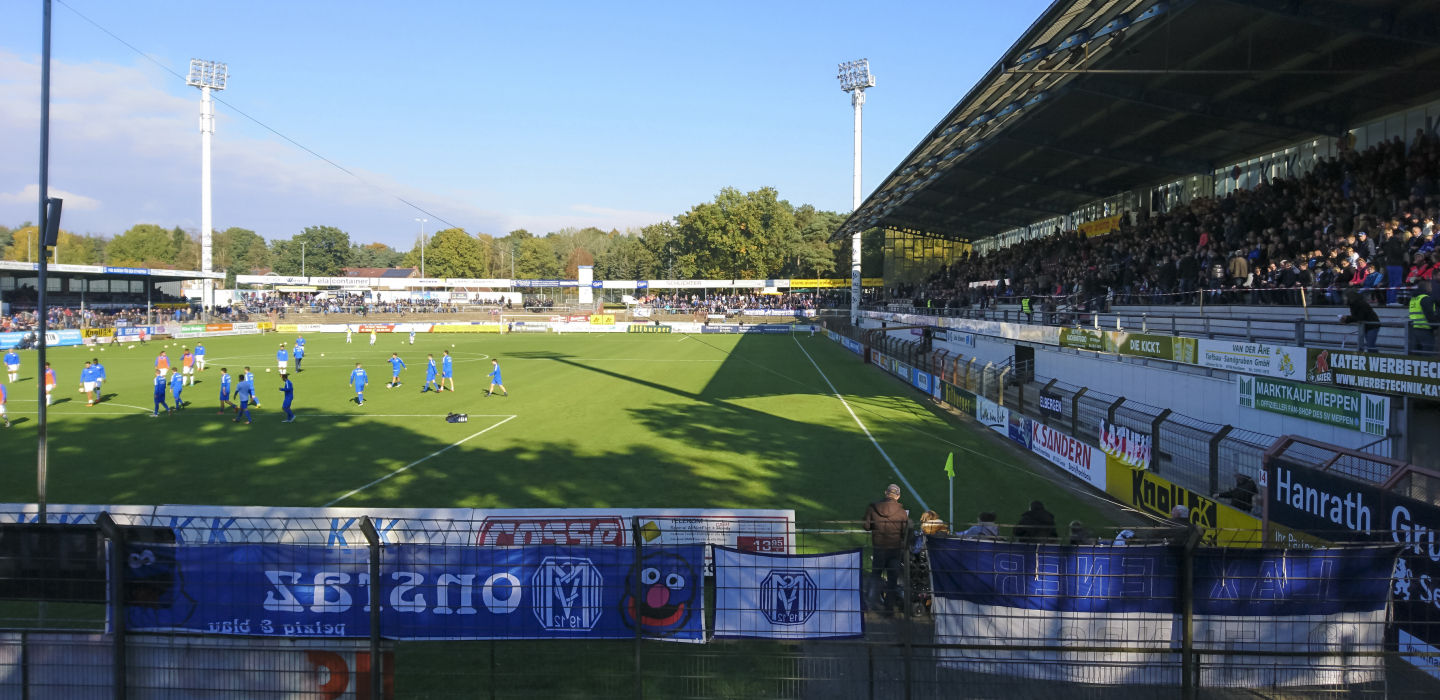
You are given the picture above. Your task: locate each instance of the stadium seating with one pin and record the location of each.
(1362, 220)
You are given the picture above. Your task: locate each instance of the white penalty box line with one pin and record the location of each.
(405, 468)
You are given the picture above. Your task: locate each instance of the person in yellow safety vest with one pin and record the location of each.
(1423, 320)
(1026, 309)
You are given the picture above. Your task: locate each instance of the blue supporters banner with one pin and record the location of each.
(1102, 578)
(785, 596)
(427, 591)
(1330, 602)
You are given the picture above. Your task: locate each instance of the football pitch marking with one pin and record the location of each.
(418, 461)
(858, 422)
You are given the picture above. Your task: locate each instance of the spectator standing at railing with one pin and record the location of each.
(1423, 319)
(887, 522)
(1365, 318)
(1036, 525)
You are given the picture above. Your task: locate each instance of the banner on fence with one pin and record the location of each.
(992, 415)
(469, 328)
(1394, 374)
(602, 319)
(780, 596)
(1314, 402)
(646, 328)
(1128, 447)
(1052, 405)
(1277, 361)
(921, 380)
(1339, 509)
(1020, 429)
(1159, 347)
(70, 666)
(961, 399)
(1000, 593)
(1081, 339)
(430, 591)
(1083, 461)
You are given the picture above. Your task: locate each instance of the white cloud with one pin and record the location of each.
(117, 134)
(30, 195)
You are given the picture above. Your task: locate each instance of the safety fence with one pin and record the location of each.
(1201, 457)
(137, 605)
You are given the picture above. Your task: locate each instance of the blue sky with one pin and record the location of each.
(493, 116)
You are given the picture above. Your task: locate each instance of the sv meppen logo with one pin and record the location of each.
(788, 597)
(567, 593)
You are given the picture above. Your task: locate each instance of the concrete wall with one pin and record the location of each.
(1207, 395)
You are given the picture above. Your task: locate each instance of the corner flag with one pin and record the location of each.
(950, 472)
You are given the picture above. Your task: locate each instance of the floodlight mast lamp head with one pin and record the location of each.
(855, 75)
(207, 74)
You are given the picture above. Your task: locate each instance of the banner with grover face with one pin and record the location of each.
(426, 591)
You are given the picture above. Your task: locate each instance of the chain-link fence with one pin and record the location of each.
(285, 608)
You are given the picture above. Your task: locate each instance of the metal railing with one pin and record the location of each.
(280, 611)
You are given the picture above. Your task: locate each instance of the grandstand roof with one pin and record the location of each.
(107, 271)
(1099, 97)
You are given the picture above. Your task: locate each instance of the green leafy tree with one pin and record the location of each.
(258, 257)
(577, 258)
(230, 252)
(626, 257)
(6, 235)
(325, 254)
(814, 255)
(738, 235)
(451, 253)
(536, 260)
(141, 246)
(374, 255)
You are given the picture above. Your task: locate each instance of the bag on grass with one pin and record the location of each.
(457, 418)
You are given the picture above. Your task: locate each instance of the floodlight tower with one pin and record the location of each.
(855, 78)
(206, 75)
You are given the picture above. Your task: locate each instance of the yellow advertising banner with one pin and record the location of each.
(287, 328)
(835, 283)
(98, 332)
(1100, 227)
(481, 328)
(265, 326)
(1220, 524)
(602, 320)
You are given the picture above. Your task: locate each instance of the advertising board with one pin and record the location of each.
(1332, 507)
(1083, 461)
(1146, 491)
(961, 399)
(1392, 374)
(1278, 361)
(992, 415)
(1052, 405)
(1330, 405)
(468, 328)
(1124, 446)
(646, 328)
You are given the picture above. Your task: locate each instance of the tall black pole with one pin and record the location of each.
(40, 310)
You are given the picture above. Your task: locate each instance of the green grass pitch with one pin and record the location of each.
(652, 420)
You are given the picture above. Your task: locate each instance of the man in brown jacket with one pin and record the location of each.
(888, 524)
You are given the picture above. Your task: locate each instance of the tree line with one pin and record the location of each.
(737, 235)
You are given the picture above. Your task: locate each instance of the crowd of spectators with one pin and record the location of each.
(719, 303)
(1362, 222)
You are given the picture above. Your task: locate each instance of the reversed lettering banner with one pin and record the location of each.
(427, 591)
